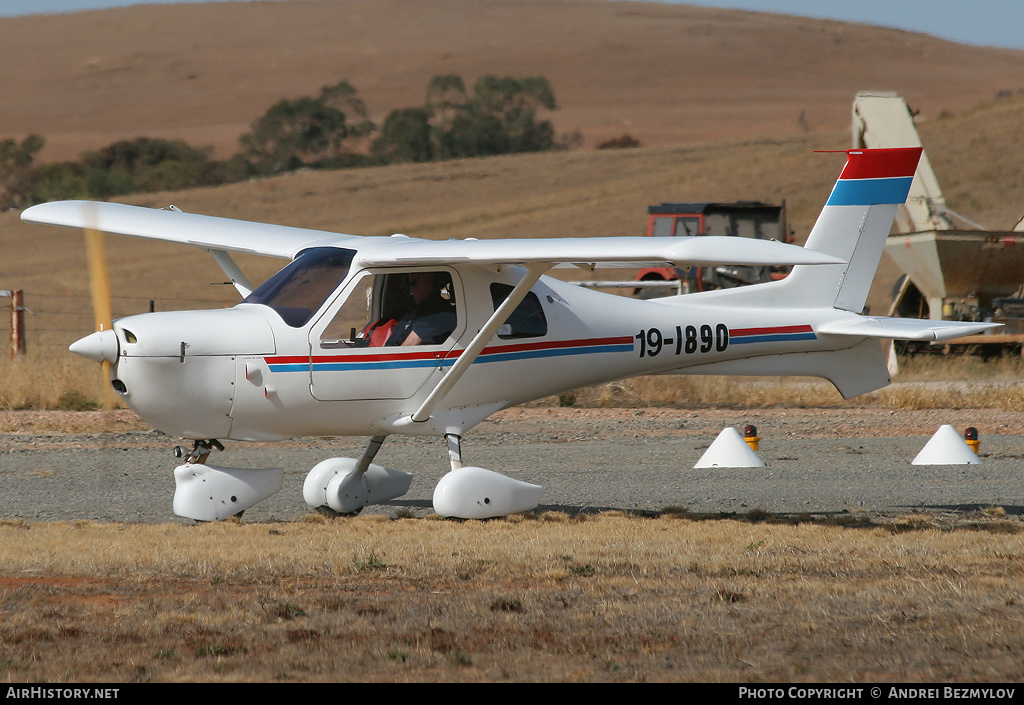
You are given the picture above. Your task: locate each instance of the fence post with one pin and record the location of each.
(17, 322)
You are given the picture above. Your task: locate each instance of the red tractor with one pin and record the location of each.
(740, 219)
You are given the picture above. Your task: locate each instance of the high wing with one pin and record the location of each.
(203, 231)
(597, 251)
(215, 235)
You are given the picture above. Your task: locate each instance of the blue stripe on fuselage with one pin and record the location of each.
(773, 338)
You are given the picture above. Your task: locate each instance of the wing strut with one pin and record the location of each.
(469, 355)
(230, 267)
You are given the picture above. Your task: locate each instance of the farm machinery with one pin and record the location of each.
(950, 272)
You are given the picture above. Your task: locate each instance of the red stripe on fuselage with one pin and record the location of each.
(776, 330)
(551, 345)
(423, 355)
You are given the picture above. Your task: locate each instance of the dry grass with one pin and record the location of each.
(39, 380)
(932, 368)
(941, 382)
(703, 391)
(954, 395)
(545, 598)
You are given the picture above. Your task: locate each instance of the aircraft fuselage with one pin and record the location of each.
(248, 374)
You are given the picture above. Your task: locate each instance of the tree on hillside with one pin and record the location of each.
(146, 164)
(58, 181)
(344, 97)
(17, 164)
(329, 130)
(501, 117)
(446, 100)
(126, 166)
(404, 137)
(307, 132)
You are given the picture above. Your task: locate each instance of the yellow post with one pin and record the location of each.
(971, 439)
(751, 437)
(99, 288)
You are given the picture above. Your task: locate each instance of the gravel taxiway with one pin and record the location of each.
(818, 462)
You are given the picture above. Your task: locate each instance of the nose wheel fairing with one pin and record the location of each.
(211, 493)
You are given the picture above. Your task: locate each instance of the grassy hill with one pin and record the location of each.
(664, 73)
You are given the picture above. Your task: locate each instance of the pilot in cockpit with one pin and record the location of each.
(427, 316)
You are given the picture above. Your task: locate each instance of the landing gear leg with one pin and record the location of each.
(352, 491)
(369, 454)
(200, 451)
(454, 450)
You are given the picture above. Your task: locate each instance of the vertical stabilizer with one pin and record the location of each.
(853, 226)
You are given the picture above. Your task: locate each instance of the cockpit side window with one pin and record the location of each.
(413, 308)
(298, 290)
(526, 321)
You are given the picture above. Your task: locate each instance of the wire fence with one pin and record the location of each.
(57, 320)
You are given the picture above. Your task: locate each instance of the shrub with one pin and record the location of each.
(74, 400)
(620, 142)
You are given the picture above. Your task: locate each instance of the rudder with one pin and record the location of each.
(853, 226)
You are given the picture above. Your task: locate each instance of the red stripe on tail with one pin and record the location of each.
(881, 163)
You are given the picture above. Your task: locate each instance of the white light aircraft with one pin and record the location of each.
(395, 335)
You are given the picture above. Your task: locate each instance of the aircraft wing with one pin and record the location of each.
(212, 233)
(701, 250)
(203, 231)
(905, 328)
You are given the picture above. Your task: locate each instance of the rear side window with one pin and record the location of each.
(527, 321)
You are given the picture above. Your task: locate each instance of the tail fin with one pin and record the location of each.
(853, 226)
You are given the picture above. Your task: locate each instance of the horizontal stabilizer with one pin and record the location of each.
(904, 328)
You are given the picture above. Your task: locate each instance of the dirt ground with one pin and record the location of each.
(60, 466)
(850, 422)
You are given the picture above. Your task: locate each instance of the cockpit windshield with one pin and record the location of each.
(298, 290)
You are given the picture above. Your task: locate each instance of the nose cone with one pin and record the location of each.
(97, 347)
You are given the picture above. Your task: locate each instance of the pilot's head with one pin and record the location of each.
(421, 285)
